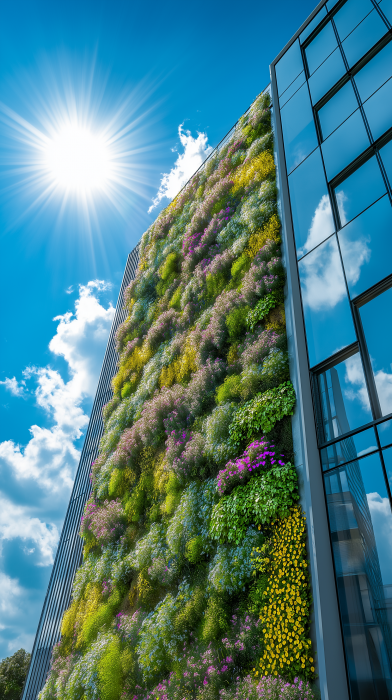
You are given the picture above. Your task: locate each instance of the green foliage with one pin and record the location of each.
(110, 671)
(168, 273)
(265, 497)
(190, 614)
(236, 322)
(263, 307)
(194, 549)
(262, 413)
(100, 618)
(215, 284)
(229, 390)
(239, 267)
(13, 672)
(216, 618)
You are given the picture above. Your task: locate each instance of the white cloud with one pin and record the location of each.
(14, 387)
(355, 386)
(384, 389)
(322, 278)
(10, 591)
(195, 153)
(14, 522)
(321, 227)
(380, 511)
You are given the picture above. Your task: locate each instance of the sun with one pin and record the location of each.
(78, 160)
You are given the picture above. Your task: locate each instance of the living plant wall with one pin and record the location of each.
(194, 582)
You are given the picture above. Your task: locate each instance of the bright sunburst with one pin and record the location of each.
(79, 160)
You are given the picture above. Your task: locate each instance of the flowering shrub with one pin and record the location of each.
(193, 514)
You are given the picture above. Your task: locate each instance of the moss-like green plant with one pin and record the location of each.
(262, 413)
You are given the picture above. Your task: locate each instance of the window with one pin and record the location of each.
(378, 110)
(375, 73)
(299, 132)
(310, 206)
(376, 322)
(289, 67)
(325, 77)
(295, 85)
(344, 144)
(359, 190)
(361, 40)
(386, 156)
(348, 449)
(337, 110)
(366, 245)
(313, 24)
(320, 48)
(343, 402)
(350, 15)
(328, 320)
(385, 433)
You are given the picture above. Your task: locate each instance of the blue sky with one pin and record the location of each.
(137, 72)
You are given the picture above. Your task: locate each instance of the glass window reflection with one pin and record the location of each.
(375, 73)
(310, 204)
(346, 450)
(321, 47)
(344, 144)
(386, 155)
(339, 107)
(313, 24)
(295, 85)
(361, 40)
(378, 109)
(359, 190)
(360, 522)
(325, 77)
(366, 245)
(299, 132)
(350, 15)
(376, 321)
(331, 4)
(386, 7)
(328, 320)
(387, 455)
(385, 433)
(344, 405)
(289, 67)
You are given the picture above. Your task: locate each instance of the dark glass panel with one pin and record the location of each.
(345, 144)
(295, 85)
(344, 406)
(378, 110)
(385, 433)
(350, 15)
(326, 76)
(313, 24)
(386, 155)
(376, 321)
(328, 320)
(366, 245)
(339, 107)
(359, 190)
(386, 7)
(375, 73)
(321, 47)
(387, 454)
(361, 40)
(346, 450)
(299, 132)
(360, 522)
(310, 205)
(289, 66)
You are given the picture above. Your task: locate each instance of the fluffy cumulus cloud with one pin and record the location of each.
(195, 152)
(36, 478)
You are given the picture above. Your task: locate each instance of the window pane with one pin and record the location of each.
(386, 7)
(376, 321)
(359, 190)
(344, 405)
(326, 76)
(360, 521)
(328, 320)
(299, 132)
(295, 85)
(378, 109)
(375, 73)
(366, 245)
(337, 109)
(321, 47)
(385, 433)
(348, 449)
(331, 4)
(387, 454)
(364, 37)
(310, 205)
(289, 66)
(350, 15)
(345, 144)
(313, 24)
(386, 155)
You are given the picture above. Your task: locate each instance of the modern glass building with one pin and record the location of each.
(331, 90)
(332, 101)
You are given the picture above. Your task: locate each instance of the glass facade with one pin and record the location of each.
(336, 122)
